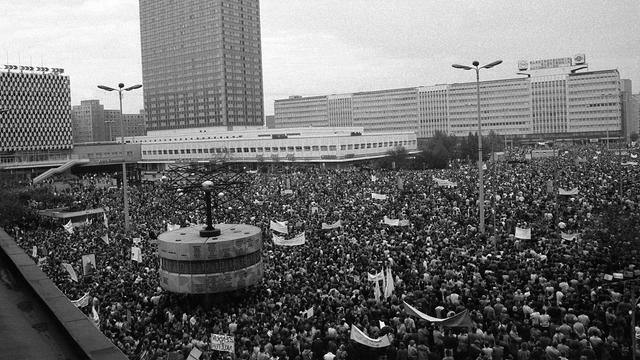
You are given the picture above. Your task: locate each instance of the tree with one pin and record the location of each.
(633, 136)
(397, 156)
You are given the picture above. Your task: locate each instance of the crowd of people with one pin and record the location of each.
(548, 297)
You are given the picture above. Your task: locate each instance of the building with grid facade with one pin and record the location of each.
(201, 63)
(553, 103)
(38, 116)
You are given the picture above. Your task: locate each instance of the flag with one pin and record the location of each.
(608, 277)
(379, 196)
(105, 238)
(374, 178)
(258, 202)
(286, 192)
(335, 225)
(358, 336)
(34, 252)
(391, 222)
(105, 220)
(279, 226)
(194, 354)
(376, 277)
(172, 227)
(82, 302)
(400, 183)
(523, 233)
(629, 163)
(136, 254)
(389, 286)
(69, 227)
(404, 223)
(381, 323)
(307, 314)
(376, 291)
(298, 240)
(95, 317)
(618, 276)
(566, 236)
(571, 192)
(72, 273)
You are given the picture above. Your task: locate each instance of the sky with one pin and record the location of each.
(313, 47)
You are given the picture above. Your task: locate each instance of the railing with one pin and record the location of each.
(35, 158)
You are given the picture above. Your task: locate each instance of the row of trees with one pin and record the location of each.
(442, 148)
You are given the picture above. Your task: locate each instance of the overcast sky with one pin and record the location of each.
(313, 47)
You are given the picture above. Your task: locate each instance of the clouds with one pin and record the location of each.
(313, 47)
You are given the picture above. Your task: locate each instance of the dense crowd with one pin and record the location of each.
(544, 298)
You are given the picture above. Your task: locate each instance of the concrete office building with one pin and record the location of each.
(505, 107)
(36, 116)
(134, 124)
(201, 63)
(554, 101)
(92, 123)
(88, 122)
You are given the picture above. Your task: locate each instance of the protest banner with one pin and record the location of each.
(361, 338)
(71, 271)
(524, 234)
(136, 254)
(222, 343)
(68, 227)
(571, 192)
(296, 241)
(88, 264)
(379, 196)
(335, 225)
(391, 222)
(279, 226)
(82, 302)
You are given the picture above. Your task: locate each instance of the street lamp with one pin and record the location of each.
(480, 180)
(125, 196)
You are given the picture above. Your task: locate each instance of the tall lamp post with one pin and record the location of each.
(477, 68)
(125, 196)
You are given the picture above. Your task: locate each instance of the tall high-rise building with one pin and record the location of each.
(36, 112)
(201, 63)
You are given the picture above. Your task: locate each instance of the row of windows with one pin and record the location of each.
(278, 149)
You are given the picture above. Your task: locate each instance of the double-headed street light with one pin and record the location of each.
(477, 68)
(125, 196)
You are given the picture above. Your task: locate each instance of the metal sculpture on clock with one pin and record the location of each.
(220, 179)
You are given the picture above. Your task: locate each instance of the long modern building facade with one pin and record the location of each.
(201, 63)
(552, 100)
(35, 113)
